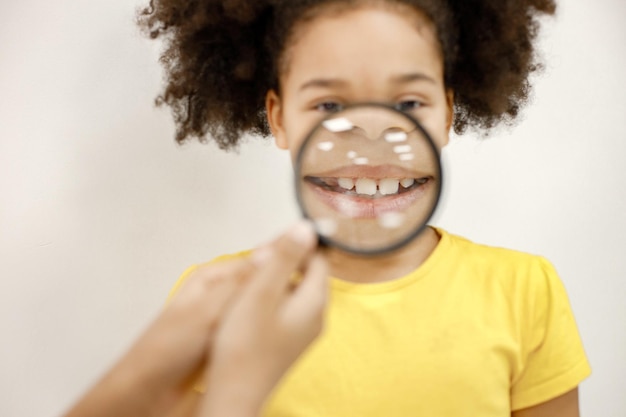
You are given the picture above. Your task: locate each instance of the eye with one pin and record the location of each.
(329, 107)
(408, 105)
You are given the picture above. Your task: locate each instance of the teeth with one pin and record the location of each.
(407, 182)
(346, 183)
(365, 186)
(388, 186)
(369, 186)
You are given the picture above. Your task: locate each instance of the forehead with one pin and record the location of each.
(367, 44)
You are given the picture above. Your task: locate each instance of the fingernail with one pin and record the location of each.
(302, 233)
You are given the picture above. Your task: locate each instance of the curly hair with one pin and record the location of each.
(222, 56)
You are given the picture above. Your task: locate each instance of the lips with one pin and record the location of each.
(368, 192)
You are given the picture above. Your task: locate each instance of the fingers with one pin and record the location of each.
(277, 261)
(303, 312)
(307, 302)
(210, 275)
(212, 287)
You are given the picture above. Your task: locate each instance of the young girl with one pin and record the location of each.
(443, 326)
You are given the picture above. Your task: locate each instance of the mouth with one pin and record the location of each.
(367, 188)
(369, 197)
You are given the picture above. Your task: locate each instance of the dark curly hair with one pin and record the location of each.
(222, 56)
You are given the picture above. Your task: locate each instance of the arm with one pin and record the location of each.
(565, 405)
(187, 405)
(110, 398)
(153, 378)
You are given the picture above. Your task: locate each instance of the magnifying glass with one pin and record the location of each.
(369, 178)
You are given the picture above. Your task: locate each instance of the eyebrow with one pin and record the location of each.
(412, 77)
(323, 83)
(336, 82)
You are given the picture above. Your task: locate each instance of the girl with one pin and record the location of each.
(443, 326)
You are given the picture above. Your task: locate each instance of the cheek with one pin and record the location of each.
(294, 141)
(297, 126)
(440, 136)
(436, 124)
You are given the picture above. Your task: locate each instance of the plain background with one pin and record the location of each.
(101, 211)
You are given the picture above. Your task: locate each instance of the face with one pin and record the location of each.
(369, 54)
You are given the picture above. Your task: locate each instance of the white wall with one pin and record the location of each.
(101, 211)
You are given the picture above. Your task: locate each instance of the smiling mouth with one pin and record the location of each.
(368, 188)
(369, 198)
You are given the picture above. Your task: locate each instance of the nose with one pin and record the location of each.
(375, 124)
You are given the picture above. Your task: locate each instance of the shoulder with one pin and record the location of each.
(519, 275)
(479, 252)
(493, 258)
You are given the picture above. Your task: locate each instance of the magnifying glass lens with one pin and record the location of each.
(369, 178)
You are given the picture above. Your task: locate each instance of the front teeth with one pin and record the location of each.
(368, 186)
(389, 186)
(365, 186)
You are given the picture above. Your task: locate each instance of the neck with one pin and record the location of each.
(354, 268)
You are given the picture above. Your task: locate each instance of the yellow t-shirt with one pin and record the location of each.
(474, 331)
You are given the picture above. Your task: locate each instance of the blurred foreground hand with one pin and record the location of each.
(241, 322)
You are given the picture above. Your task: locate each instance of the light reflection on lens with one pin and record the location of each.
(340, 124)
(391, 220)
(395, 137)
(402, 149)
(325, 146)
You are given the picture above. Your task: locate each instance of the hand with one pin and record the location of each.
(154, 375)
(175, 348)
(268, 326)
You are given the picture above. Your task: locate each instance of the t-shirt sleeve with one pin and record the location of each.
(553, 358)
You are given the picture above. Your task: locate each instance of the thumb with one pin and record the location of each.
(308, 301)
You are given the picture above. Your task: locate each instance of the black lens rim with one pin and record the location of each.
(326, 241)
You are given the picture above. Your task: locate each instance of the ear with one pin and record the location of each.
(449, 113)
(274, 110)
